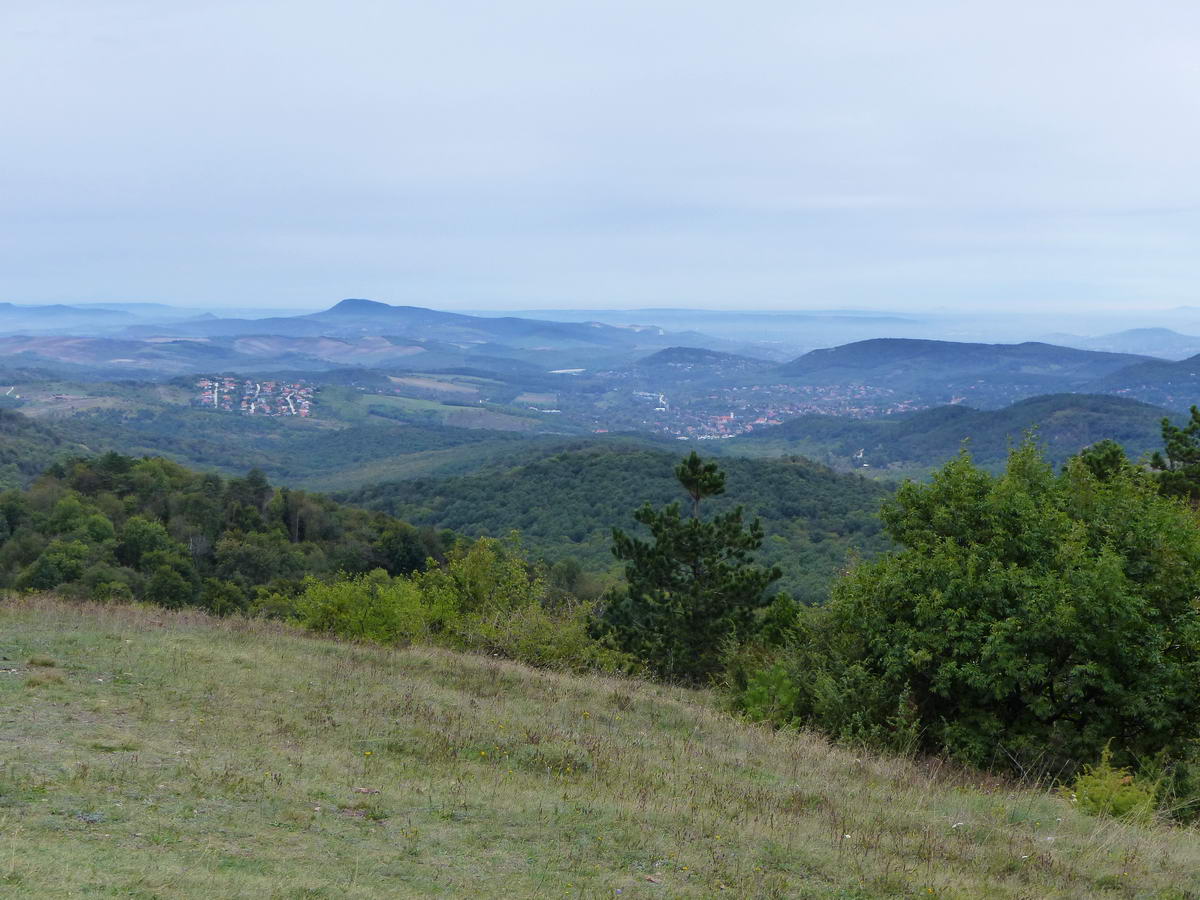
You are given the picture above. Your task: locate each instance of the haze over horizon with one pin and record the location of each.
(1019, 157)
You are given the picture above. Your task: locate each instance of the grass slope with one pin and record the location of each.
(156, 754)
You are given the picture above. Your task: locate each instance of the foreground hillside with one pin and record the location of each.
(151, 754)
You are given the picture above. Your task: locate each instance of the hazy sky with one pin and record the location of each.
(519, 154)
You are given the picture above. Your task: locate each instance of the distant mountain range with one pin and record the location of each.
(357, 318)
(1160, 342)
(59, 319)
(770, 330)
(885, 374)
(354, 332)
(936, 372)
(901, 360)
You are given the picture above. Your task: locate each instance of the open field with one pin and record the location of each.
(156, 754)
(357, 407)
(536, 399)
(50, 399)
(435, 385)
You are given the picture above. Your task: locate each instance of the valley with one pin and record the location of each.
(491, 425)
(363, 360)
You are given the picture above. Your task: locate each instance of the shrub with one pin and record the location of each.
(536, 635)
(770, 694)
(485, 597)
(1032, 615)
(1105, 790)
(366, 607)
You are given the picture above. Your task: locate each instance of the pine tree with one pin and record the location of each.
(692, 586)
(1178, 464)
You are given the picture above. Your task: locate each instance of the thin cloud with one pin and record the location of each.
(551, 154)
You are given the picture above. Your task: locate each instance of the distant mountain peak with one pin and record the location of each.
(359, 305)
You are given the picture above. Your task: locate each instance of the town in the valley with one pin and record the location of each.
(255, 398)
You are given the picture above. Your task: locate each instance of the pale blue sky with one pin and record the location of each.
(1022, 155)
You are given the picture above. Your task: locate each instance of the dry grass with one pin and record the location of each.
(186, 757)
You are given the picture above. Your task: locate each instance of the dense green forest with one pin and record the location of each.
(113, 527)
(567, 503)
(27, 447)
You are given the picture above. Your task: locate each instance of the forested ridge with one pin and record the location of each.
(916, 442)
(566, 505)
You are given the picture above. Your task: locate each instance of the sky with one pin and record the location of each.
(1017, 156)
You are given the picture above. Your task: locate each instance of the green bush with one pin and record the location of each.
(533, 634)
(1032, 616)
(1105, 790)
(372, 607)
(770, 694)
(485, 597)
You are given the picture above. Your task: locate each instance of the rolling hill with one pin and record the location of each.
(984, 375)
(1159, 342)
(912, 443)
(351, 333)
(566, 500)
(1175, 385)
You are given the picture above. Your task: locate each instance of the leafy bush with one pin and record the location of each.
(1031, 616)
(769, 694)
(484, 597)
(1105, 790)
(365, 607)
(557, 638)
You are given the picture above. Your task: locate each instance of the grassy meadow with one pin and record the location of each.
(145, 753)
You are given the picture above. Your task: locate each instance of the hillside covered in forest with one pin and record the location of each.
(913, 443)
(567, 502)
